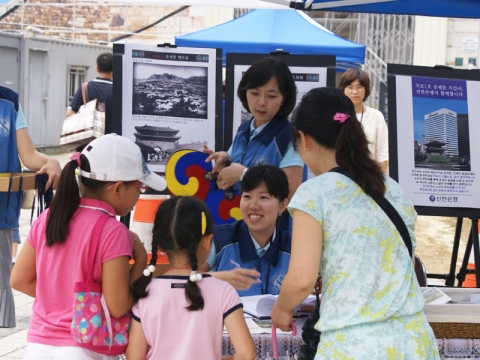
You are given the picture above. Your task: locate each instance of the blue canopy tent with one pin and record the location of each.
(441, 8)
(265, 31)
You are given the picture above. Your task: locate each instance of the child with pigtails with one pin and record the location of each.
(56, 253)
(181, 314)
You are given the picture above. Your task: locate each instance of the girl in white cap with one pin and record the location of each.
(55, 255)
(180, 315)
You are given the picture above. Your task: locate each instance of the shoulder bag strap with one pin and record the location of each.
(19, 200)
(44, 197)
(84, 93)
(388, 208)
(94, 243)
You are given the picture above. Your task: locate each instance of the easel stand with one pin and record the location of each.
(463, 271)
(472, 240)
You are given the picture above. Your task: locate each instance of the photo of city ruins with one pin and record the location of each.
(172, 91)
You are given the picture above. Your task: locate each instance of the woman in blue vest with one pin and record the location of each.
(253, 254)
(268, 92)
(15, 141)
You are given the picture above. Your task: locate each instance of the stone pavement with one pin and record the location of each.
(13, 341)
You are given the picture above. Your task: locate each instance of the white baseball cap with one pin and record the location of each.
(115, 158)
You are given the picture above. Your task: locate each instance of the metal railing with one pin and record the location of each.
(376, 68)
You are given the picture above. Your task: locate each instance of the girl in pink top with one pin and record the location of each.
(180, 315)
(55, 255)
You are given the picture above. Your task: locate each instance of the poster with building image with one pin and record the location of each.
(440, 115)
(169, 100)
(435, 154)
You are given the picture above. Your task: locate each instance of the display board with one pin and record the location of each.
(170, 99)
(308, 71)
(433, 128)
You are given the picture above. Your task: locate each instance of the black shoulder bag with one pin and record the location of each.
(310, 335)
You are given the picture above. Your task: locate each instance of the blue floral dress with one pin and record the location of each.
(372, 306)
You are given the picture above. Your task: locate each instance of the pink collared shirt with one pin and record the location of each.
(58, 268)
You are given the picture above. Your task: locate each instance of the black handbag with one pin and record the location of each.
(310, 335)
(44, 198)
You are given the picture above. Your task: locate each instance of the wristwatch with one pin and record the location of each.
(243, 173)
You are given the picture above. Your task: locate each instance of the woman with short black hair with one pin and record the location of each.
(268, 92)
(253, 254)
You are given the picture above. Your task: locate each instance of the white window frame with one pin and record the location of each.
(76, 76)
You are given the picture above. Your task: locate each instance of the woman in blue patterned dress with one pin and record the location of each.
(372, 306)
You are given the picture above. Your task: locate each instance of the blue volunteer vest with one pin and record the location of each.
(233, 242)
(9, 155)
(266, 148)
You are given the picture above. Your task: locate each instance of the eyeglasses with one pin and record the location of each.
(353, 88)
(143, 188)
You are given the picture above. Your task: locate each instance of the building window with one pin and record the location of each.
(240, 12)
(472, 60)
(458, 61)
(76, 76)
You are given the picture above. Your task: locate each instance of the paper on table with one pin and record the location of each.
(261, 306)
(257, 326)
(435, 296)
(475, 298)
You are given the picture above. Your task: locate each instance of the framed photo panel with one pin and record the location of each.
(433, 128)
(168, 99)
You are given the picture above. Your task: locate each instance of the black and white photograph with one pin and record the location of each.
(177, 91)
(170, 98)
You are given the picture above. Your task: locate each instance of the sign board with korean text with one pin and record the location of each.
(434, 122)
(470, 44)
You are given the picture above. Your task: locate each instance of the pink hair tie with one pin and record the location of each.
(76, 156)
(341, 117)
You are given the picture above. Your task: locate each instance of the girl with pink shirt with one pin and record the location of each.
(180, 315)
(55, 255)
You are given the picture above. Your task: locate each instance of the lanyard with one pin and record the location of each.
(361, 118)
(96, 208)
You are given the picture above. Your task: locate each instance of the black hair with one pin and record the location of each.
(273, 177)
(67, 199)
(177, 228)
(260, 73)
(105, 62)
(350, 76)
(314, 117)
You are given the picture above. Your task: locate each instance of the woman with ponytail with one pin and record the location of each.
(56, 253)
(180, 315)
(372, 306)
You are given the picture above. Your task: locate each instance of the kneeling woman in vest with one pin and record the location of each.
(253, 254)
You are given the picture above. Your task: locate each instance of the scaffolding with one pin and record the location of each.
(388, 38)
